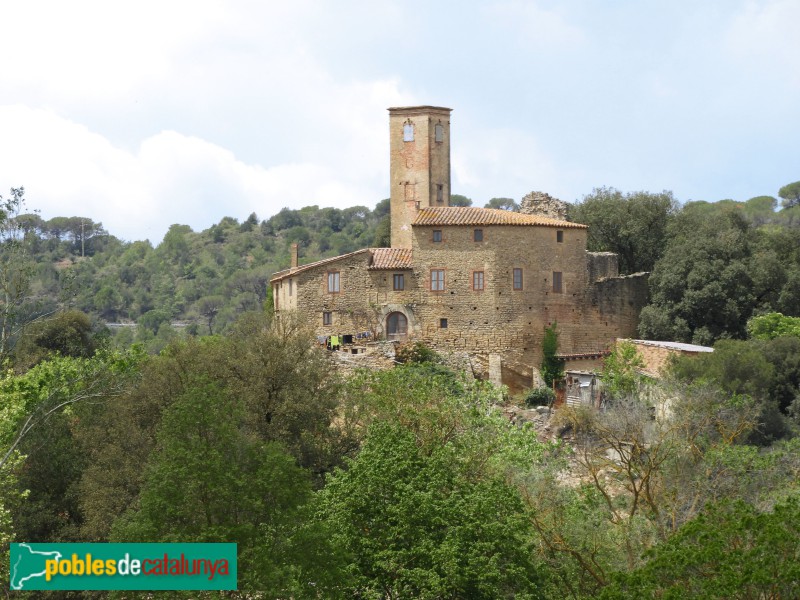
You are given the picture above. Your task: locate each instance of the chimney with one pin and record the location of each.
(294, 256)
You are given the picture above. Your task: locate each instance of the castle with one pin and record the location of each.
(483, 282)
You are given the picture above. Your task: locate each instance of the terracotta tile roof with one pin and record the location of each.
(469, 215)
(290, 272)
(390, 259)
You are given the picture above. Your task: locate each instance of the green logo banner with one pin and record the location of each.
(123, 567)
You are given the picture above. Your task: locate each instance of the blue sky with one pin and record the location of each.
(150, 113)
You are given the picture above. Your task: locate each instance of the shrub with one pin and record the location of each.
(541, 396)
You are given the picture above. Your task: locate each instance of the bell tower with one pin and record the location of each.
(419, 146)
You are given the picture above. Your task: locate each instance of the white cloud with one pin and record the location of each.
(171, 178)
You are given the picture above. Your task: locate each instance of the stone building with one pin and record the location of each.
(484, 282)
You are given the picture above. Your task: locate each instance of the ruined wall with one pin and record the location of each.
(656, 357)
(543, 204)
(602, 265)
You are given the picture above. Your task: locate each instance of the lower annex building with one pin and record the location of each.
(484, 282)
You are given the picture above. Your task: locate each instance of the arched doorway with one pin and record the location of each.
(396, 326)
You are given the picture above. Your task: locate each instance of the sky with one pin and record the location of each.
(149, 113)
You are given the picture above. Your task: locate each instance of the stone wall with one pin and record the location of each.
(543, 204)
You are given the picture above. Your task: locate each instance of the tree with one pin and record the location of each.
(16, 269)
(503, 204)
(424, 510)
(621, 369)
(729, 551)
(459, 200)
(790, 194)
(68, 333)
(209, 481)
(702, 288)
(552, 367)
(773, 325)
(633, 225)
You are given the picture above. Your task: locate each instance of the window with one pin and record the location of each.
(290, 287)
(438, 133)
(439, 192)
(443, 323)
(396, 326)
(517, 279)
(477, 281)
(327, 318)
(408, 131)
(333, 282)
(437, 235)
(477, 235)
(437, 280)
(557, 287)
(398, 282)
(559, 236)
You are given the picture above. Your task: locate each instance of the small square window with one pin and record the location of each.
(333, 282)
(443, 323)
(517, 279)
(477, 281)
(398, 282)
(557, 283)
(437, 280)
(437, 235)
(327, 318)
(477, 235)
(559, 236)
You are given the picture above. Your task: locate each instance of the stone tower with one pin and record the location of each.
(419, 145)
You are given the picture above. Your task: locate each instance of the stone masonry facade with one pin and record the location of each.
(484, 282)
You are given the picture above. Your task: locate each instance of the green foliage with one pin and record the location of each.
(790, 194)
(634, 225)
(16, 271)
(209, 480)
(416, 352)
(424, 509)
(552, 367)
(541, 396)
(502, 204)
(621, 369)
(459, 200)
(729, 551)
(67, 333)
(772, 325)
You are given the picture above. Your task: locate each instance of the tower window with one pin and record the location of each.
(438, 133)
(437, 235)
(408, 131)
(439, 192)
(443, 323)
(290, 287)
